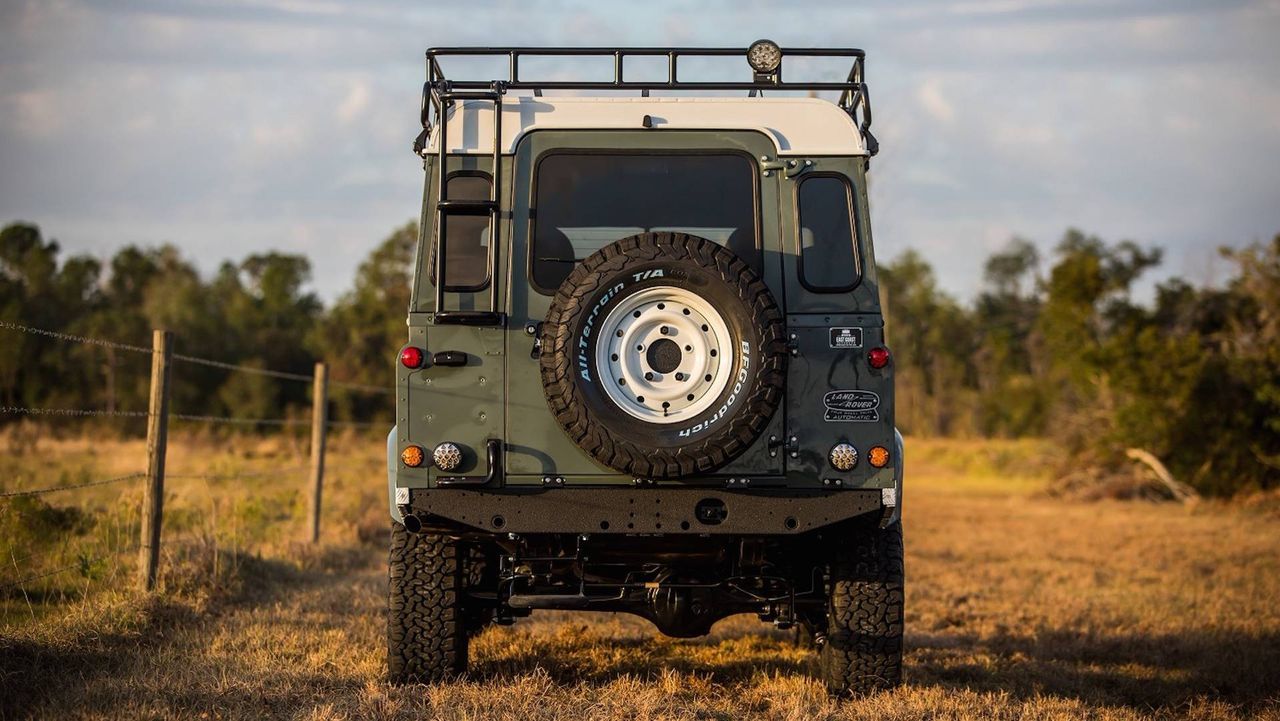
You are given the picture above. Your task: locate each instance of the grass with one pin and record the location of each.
(1019, 606)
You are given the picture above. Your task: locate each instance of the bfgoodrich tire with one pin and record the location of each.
(862, 652)
(426, 626)
(663, 355)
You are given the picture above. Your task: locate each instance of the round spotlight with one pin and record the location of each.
(843, 457)
(446, 456)
(764, 56)
(412, 456)
(878, 456)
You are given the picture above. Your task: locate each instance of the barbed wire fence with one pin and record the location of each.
(159, 416)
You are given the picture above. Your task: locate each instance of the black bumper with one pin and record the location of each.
(639, 510)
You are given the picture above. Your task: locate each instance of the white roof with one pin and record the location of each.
(797, 126)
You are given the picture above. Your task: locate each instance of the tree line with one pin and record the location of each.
(253, 313)
(1057, 347)
(1051, 347)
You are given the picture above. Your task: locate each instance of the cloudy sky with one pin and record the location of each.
(230, 127)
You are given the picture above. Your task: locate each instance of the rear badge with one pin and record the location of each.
(846, 337)
(851, 406)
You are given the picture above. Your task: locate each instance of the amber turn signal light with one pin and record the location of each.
(878, 456)
(413, 456)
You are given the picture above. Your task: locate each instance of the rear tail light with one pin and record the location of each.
(878, 357)
(411, 357)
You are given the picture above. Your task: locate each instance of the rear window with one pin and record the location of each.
(828, 262)
(585, 201)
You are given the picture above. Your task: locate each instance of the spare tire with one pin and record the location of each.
(663, 355)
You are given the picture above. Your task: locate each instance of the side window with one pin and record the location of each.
(466, 265)
(828, 261)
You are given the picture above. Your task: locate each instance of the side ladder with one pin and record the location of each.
(492, 207)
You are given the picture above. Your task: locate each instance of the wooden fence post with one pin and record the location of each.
(319, 424)
(157, 436)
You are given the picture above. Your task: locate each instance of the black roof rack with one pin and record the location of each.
(441, 90)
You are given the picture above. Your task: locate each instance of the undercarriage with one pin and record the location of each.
(683, 585)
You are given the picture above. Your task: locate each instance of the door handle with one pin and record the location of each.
(451, 358)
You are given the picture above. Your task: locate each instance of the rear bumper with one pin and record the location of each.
(693, 511)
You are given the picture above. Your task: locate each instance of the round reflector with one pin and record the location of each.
(878, 357)
(411, 357)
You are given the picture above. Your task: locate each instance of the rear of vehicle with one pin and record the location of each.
(646, 369)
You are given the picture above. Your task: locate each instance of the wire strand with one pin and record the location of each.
(355, 424)
(362, 387)
(72, 337)
(241, 421)
(189, 359)
(234, 476)
(242, 369)
(17, 410)
(22, 581)
(72, 487)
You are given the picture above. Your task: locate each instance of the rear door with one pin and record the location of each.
(662, 169)
(833, 319)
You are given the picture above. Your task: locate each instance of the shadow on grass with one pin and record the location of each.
(1138, 671)
(1134, 671)
(723, 658)
(32, 664)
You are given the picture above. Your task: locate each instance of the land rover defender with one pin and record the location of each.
(646, 369)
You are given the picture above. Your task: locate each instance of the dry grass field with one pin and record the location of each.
(1018, 606)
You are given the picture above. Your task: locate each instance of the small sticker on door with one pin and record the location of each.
(846, 337)
(851, 406)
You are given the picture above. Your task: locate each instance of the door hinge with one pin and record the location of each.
(791, 445)
(534, 330)
(790, 167)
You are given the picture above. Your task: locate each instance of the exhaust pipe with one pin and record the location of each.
(412, 523)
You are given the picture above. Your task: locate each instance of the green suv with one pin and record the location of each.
(646, 369)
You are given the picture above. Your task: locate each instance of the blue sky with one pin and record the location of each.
(230, 127)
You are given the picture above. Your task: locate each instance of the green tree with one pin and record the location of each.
(1011, 401)
(933, 341)
(368, 322)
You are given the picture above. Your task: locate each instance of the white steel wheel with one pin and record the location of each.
(665, 355)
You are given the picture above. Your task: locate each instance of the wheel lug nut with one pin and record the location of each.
(648, 376)
(679, 376)
(666, 330)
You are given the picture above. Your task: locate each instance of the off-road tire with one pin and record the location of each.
(651, 450)
(426, 630)
(862, 652)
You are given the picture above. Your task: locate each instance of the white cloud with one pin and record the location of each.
(930, 97)
(35, 113)
(354, 105)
